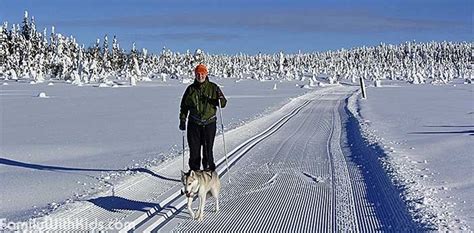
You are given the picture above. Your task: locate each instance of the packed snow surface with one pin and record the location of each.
(398, 160)
(60, 148)
(426, 133)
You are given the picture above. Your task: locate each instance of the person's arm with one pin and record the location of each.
(183, 111)
(221, 97)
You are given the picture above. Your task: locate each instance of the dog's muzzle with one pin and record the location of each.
(188, 194)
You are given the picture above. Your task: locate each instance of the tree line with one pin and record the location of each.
(26, 53)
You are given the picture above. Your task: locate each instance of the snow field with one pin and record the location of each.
(79, 130)
(358, 173)
(415, 156)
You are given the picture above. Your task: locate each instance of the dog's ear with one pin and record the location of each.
(183, 176)
(191, 173)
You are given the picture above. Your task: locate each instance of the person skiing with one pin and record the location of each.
(200, 100)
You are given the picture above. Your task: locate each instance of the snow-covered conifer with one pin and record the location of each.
(4, 51)
(26, 27)
(26, 54)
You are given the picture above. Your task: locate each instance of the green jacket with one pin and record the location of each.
(200, 100)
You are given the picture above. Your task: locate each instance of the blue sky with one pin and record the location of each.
(249, 26)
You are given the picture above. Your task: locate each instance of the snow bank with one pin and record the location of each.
(424, 132)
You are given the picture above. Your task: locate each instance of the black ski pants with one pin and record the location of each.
(201, 136)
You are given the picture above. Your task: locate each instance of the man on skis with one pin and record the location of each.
(200, 100)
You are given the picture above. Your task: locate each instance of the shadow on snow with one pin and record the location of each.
(390, 210)
(117, 204)
(470, 132)
(40, 167)
(110, 203)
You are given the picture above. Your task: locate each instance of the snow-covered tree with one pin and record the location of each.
(27, 54)
(26, 27)
(4, 51)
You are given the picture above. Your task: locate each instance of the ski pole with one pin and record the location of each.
(182, 132)
(223, 137)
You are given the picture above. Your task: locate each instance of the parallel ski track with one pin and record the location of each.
(278, 168)
(270, 193)
(121, 205)
(333, 206)
(151, 220)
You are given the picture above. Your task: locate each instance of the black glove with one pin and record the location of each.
(220, 95)
(182, 125)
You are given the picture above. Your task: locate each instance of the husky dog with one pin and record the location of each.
(200, 183)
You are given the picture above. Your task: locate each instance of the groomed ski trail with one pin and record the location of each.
(291, 171)
(297, 179)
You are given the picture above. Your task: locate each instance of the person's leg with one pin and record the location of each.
(208, 155)
(202, 131)
(194, 142)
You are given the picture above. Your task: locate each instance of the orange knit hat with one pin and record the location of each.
(201, 69)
